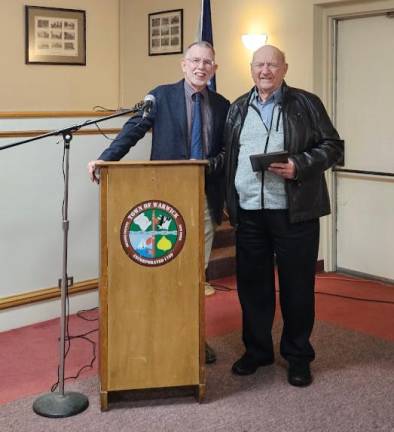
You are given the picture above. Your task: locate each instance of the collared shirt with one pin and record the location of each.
(266, 108)
(206, 113)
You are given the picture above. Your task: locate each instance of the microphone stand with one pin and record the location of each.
(65, 404)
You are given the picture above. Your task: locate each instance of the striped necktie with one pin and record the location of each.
(196, 151)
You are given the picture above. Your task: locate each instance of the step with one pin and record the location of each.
(224, 235)
(221, 263)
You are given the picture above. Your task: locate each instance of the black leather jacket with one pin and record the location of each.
(311, 140)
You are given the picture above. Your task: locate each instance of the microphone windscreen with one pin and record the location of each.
(149, 102)
(149, 98)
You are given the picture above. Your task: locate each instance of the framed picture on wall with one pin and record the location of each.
(165, 32)
(55, 36)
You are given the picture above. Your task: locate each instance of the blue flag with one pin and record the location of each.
(206, 32)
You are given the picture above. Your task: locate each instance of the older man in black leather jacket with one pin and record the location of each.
(276, 211)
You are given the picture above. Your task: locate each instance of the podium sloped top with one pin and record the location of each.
(152, 163)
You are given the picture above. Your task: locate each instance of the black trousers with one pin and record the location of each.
(262, 235)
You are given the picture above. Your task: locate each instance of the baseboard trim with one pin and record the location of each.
(46, 294)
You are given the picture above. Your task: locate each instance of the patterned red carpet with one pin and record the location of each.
(29, 355)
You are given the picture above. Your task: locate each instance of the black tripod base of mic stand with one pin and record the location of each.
(56, 405)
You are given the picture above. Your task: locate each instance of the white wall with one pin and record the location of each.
(31, 188)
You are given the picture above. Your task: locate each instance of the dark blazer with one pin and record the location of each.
(168, 122)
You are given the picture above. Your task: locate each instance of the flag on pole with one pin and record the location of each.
(205, 33)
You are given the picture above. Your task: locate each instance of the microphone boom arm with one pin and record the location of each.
(76, 127)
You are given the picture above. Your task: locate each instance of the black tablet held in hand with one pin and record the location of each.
(260, 162)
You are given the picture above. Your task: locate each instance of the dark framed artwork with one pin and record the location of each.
(165, 35)
(55, 36)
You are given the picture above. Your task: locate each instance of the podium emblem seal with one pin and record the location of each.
(153, 233)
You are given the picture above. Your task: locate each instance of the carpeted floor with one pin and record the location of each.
(29, 355)
(353, 391)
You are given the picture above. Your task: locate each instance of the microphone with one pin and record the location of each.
(148, 105)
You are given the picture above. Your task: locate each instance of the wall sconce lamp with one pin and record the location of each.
(254, 41)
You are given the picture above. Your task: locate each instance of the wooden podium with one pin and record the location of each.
(151, 284)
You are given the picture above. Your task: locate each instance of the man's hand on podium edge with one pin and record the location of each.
(94, 171)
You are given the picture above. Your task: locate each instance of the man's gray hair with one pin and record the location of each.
(203, 44)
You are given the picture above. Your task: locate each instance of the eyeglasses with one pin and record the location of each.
(260, 65)
(195, 61)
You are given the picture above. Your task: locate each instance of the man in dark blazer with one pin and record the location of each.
(171, 123)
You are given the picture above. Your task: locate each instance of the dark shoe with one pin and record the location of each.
(210, 356)
(246, 365)
(299, 374)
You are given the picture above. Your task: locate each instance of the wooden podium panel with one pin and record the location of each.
(151, 317)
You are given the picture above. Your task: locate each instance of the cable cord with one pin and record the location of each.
(220, 287)
(106, 136)
(355, 298)
(103, 133)
(68, 339)
(99, 108)
(79, 314)
(67, 344)
(344, 279)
